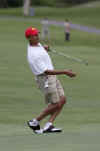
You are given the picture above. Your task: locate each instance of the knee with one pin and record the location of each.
(62, 102)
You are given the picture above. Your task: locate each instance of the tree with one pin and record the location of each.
(26, 7)
(4, 4)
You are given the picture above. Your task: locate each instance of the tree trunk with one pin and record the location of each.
(26, 7)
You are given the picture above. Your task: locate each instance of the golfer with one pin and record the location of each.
(45, 75)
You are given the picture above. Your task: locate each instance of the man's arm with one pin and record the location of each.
(60, 72)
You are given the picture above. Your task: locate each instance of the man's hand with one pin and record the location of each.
(70, 73)
(46, 47)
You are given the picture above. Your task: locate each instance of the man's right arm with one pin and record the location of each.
(60, 72)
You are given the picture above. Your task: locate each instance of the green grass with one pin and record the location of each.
(21, 101)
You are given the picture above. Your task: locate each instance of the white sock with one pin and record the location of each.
(47, 125)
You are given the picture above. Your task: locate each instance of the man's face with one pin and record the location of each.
(34, 39)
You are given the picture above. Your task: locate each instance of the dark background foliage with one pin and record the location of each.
(18, 3)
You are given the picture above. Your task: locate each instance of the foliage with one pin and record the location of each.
(75, 1)
(17, 3)
(44, 2)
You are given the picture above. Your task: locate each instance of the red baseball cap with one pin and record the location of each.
(31, 31)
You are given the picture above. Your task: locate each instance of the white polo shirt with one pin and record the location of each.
(38, 59)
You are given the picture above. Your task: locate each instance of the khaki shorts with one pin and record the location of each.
(51, 87)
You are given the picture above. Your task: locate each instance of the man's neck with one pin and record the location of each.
(33, 44)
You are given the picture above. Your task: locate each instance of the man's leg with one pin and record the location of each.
(68, 37)
(34, 124)
(55, 114)
(51, 108)
(56, 100)
(62, 100)
(49, 125)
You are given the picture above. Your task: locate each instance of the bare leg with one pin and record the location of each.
(50, 109)
(55, 114)
(53, 109)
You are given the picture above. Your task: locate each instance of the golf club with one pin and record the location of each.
(70, 57)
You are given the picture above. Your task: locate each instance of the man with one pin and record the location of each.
(45, 29)
(45, 74)
(67, 30)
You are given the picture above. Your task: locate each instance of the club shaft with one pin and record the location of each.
(70, 57)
